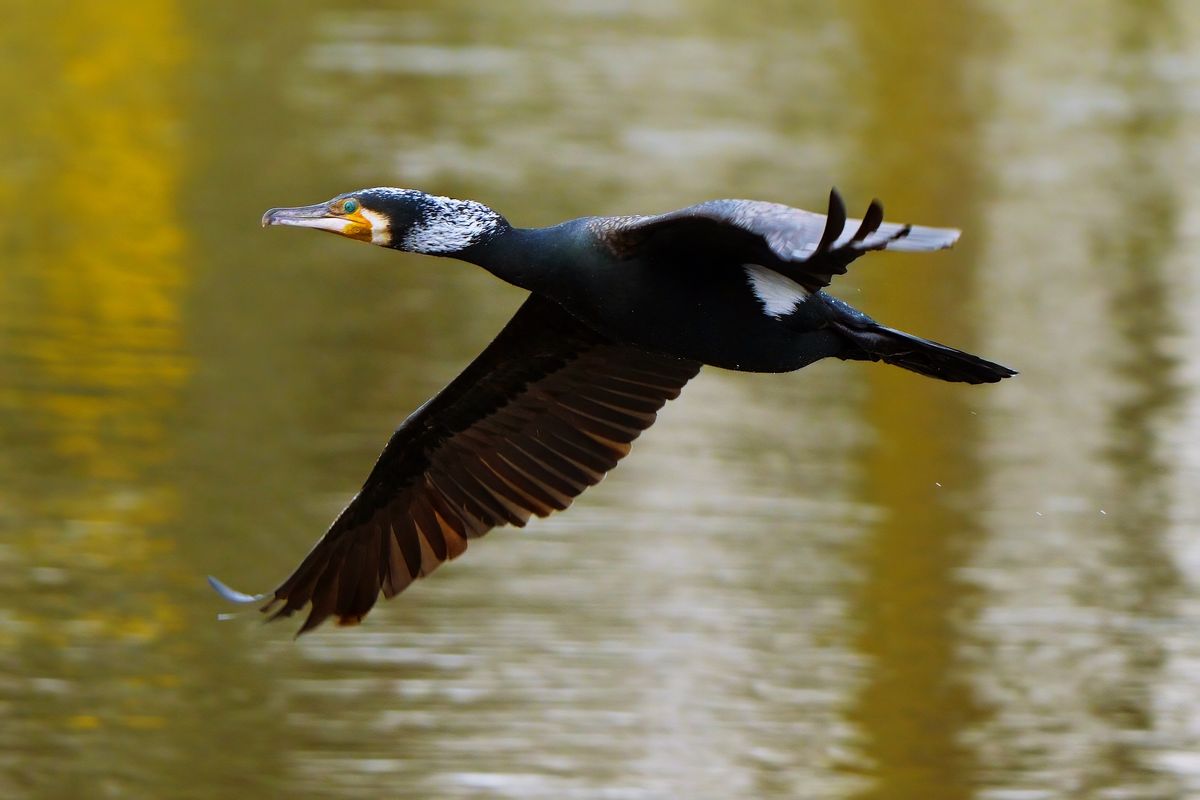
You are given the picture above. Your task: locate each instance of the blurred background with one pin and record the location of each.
(849, 582)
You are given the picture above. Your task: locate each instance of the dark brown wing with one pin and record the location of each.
(807, 247)
(540, 415)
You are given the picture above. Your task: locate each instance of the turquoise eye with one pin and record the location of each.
(350, 206)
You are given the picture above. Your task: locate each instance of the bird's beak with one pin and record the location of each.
(322, 217)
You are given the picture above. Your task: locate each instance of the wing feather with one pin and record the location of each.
(807, 247)
(544, 412)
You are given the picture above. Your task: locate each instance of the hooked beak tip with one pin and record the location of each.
(301, 216)
(320, 217)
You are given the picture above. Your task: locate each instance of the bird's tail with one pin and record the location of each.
(874, 342)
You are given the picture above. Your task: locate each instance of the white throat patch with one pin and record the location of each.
(778, 294)
(381, 230)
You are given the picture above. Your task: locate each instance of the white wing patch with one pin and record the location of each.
(778, 294)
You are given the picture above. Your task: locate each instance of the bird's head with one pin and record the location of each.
(402, 219)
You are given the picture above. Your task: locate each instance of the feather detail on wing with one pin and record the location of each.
(544, 412)
(807, 247)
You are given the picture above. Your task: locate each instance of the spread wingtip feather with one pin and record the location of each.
(233, 595)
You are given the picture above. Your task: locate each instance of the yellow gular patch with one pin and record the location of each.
(356, 226)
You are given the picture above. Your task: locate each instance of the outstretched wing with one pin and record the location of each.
(544, 412)
(807, 247)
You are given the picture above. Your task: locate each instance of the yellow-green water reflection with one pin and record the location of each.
(848, 582)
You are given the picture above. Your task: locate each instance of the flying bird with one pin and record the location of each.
(621, 313)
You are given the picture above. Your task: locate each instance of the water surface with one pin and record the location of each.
(850, 582)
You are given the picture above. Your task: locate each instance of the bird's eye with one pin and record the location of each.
(350, 206)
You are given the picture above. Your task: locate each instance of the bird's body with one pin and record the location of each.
(693, 307)
(623, 311)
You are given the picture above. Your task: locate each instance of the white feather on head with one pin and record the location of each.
(442, 224)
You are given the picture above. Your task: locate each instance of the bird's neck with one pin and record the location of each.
(524, 257)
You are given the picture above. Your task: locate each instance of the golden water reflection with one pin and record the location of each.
(849, 582)
(921, 469)
(92, 356)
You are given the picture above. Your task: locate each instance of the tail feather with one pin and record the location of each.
(879, 343)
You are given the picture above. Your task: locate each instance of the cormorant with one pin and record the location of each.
(622, 312)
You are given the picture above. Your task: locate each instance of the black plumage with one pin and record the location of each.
(548, 408)
(623, 312)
